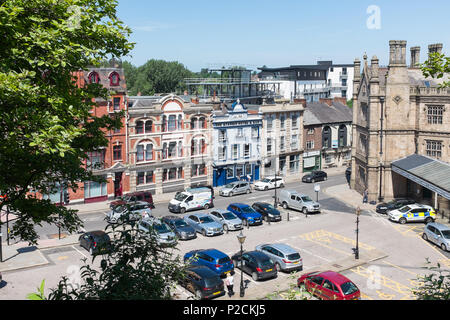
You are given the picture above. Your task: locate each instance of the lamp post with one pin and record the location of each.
(358, 212)
(380, 196)
(241, 239)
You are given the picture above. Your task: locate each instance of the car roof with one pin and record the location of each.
(335, 276)
(240, 205)
(263, 203)
(172, 218)
(214, 253)
(257, 255)
(197, 214)
(202, 271)
(282, 247)
(416, 206)
(439, 226)
(221, 210)
(97, 233)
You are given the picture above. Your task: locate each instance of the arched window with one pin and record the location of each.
(144, 152)
(202, 123)
(342, 135)
(172, 123)
(139, 127)
(148, 126)
(202, 146)
(194, 123)
(164, 123)
(164, 151)
(114, 79)
(149, 152)
(180, 149)
(326, 137)
(93, 77)
(140, 153)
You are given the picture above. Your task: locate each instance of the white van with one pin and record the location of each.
(191, 199)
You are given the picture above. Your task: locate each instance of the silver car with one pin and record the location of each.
(438, 234)
(227, 219)
(291, 199)
(162, 232)
(285, 257)
(136, 211)
(204, 224)
(237, 187)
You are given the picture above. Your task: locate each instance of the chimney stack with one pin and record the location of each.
(328, 101)
(397, 53)
(436, 47)
(415, 57)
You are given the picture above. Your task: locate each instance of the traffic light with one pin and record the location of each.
(66, 196)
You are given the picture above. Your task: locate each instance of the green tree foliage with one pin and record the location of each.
(136, 268)
(45, 125)
(435, 285)
(437, 66)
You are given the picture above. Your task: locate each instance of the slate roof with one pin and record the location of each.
(322, 113)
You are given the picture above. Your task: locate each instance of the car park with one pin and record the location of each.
(269, 183)
(268, 211)
(315, 176)
(437, 233)
(154, 227)
(145, 196)
(234, 188)
(228, 219)
(247, 214)
(385, 207)
(413, 213)
(96, 242)
(291, 199)
(256, 264)
(203, 282)
(204, 224)
(133, 211)
(329, 285)
(191, 199)
(214, 259)
(180, 227)
(285, 257)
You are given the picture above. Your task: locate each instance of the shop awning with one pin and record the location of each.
(427, 172)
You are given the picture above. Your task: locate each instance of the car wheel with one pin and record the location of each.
(305, 210)
(183, 210)
(444, 247)
(285, 205)
(402, 220)
(245, 222)
(282, 185)
(266, 188)
(204, 232)
(313, 180)
(247, 191)
(425, 237)
(266, 218)
(225, 227)
(235, 262)
(206, 206)
(255, 276)
(428, 220)
(198, 295)
(230, 194)
(278, 267)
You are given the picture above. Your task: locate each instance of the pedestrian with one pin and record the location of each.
(229, 283)
(365, 196)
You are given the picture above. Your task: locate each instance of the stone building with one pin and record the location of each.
(282, 140)
(401, 124)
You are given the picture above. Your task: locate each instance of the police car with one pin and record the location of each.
(413, 212)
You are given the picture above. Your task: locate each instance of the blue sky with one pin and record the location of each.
(253, 33)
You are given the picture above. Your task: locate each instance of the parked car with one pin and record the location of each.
(329, 285)
(204, 224)
(438, 234)
(154, 227)
(203, 282)
(247, 214)
(133, 197)
(269, 183)
(214, 259)
(285, 257)
(135, 211)
(180, 227)
(191, 199)
(256, 264)
(237, 187)
(413, 213)
(294, 200)
(96, 242)
(227, 219)
(392, 205)
(315, 176)
(267, 211)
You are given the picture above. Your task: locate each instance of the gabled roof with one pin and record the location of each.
(322, 113)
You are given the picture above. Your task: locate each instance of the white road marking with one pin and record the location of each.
(310, 253)
(80, 252)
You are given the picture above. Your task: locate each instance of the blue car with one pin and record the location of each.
(247, 214)
(214, 259)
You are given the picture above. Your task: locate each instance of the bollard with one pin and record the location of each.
(248, 224)
(227, 230)
(288, 216)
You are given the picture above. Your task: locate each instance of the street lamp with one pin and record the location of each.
(241, 239)
(358, 212)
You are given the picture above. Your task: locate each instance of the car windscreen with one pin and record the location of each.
(212, 282)
(266, 263)
(180, 223)
(161, 228)
(247, 210)
(306, 199)
(293, 256)
(265, 180)
(348, 288)
(446, 234)
(206, 219)
(230, 185)
(228, 216)
(180, 196)
(404, 209)
(102, 239)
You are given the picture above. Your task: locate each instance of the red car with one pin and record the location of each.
(329, 285)
(133, 197)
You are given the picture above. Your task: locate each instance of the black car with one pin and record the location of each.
(392, 205)
(95, 242)
(315, 176)
(180, 227)
(267, 210)
(256, 264)
(203, 282)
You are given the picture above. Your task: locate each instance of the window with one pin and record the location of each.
(294, 163)
(222, 135)
(164, 123)
(139, 127)
(95, 189)
(326, 137)
(344, 82)
(114, 79)
(282, 122)
(235, 151)
(148, 126)
(294, 141)
(222, 153)
(172, 126)
(434, 114)
(116, 103)
(144, 152)
(202, 123)
(282, 143)
(434, 148)
(269, 145)
(255, 132)
(344, 93)
(342, 136)
(294, 121)
(117, 153)
(96, 159)
(198, 170)
(311, 131)
(172, 150)
(240, 132)
(172, 174)
(180, 122)
(269, 123)
(246, 150)
(230, 172)
(248, 169)
(239, 171)
(329, 158)
(93, 77)
(144, 178)
(149, 152)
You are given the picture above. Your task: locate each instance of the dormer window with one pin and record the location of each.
(93, 77)
(114, 79)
